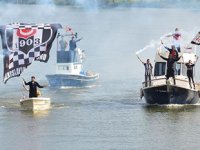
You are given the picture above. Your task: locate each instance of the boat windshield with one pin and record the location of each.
(160, 69)
(184, 70)
(180, 69)
(68, 57)
(177, 69)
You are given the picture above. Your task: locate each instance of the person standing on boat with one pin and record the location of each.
(176, 39)
(148, 71)
(171, 50)
(170, 66)
(190, 67)
(72, 48)
(63, 44)
(33, 92)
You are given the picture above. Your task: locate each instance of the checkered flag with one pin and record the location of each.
(25, 43)
(196, 39)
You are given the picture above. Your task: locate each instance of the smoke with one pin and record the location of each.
(89, 5)
(164, 35)
(153, 44)
(186, 38)
(48, 2)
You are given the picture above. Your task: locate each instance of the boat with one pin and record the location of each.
(36, 103)
(69, 71)
(22, 44)
(161, 91)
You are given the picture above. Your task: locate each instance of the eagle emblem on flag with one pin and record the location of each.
(24, 43)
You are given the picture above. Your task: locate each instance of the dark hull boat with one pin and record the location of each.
(158, 91)
(170, 94)
(60, 80)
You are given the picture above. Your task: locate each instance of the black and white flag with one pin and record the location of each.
(196, 39)
(24, 43)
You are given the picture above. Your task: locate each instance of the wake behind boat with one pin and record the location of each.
(160, 91)
(69, 68)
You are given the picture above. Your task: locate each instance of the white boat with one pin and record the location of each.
(36, 103)
(69, 70)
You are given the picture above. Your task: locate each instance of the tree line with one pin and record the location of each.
(74, 2)
(99, 2)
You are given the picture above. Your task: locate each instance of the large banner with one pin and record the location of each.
(24, 43)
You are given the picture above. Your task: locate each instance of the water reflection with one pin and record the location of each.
(36, 113)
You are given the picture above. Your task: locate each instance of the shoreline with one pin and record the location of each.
(110, 4)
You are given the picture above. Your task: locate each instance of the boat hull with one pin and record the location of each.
(61, 80)
(170, 94)
(36, 103)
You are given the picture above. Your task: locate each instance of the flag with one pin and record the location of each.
(196, 39)
(24, 43)
(69, 29)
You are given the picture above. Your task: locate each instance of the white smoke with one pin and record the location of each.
(49, 2)
(186, 38)
(165, 35)
(89, 5)
(152, 45)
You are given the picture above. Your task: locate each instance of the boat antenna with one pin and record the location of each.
(57, 40)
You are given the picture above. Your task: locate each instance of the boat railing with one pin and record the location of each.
(162, 81)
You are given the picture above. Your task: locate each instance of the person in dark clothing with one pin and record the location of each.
(190, 67)
(72, 43)
(72, 48)
(170, 66)
(33, 87)
(174, 53)
(148, 71)
(171, 50)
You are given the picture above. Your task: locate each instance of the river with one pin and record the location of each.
(109, 116)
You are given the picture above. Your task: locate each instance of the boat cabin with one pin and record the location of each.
(160, 67)
(68, 61)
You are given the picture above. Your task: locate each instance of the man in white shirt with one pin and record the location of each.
(176, 39)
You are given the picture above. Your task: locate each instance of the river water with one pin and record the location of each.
(109, 116)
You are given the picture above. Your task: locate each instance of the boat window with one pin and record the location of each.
(67, 57)
(181, 69)
(184, 70)
(64, 67)
(75, 67)
(159, 69)
(177, 68)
